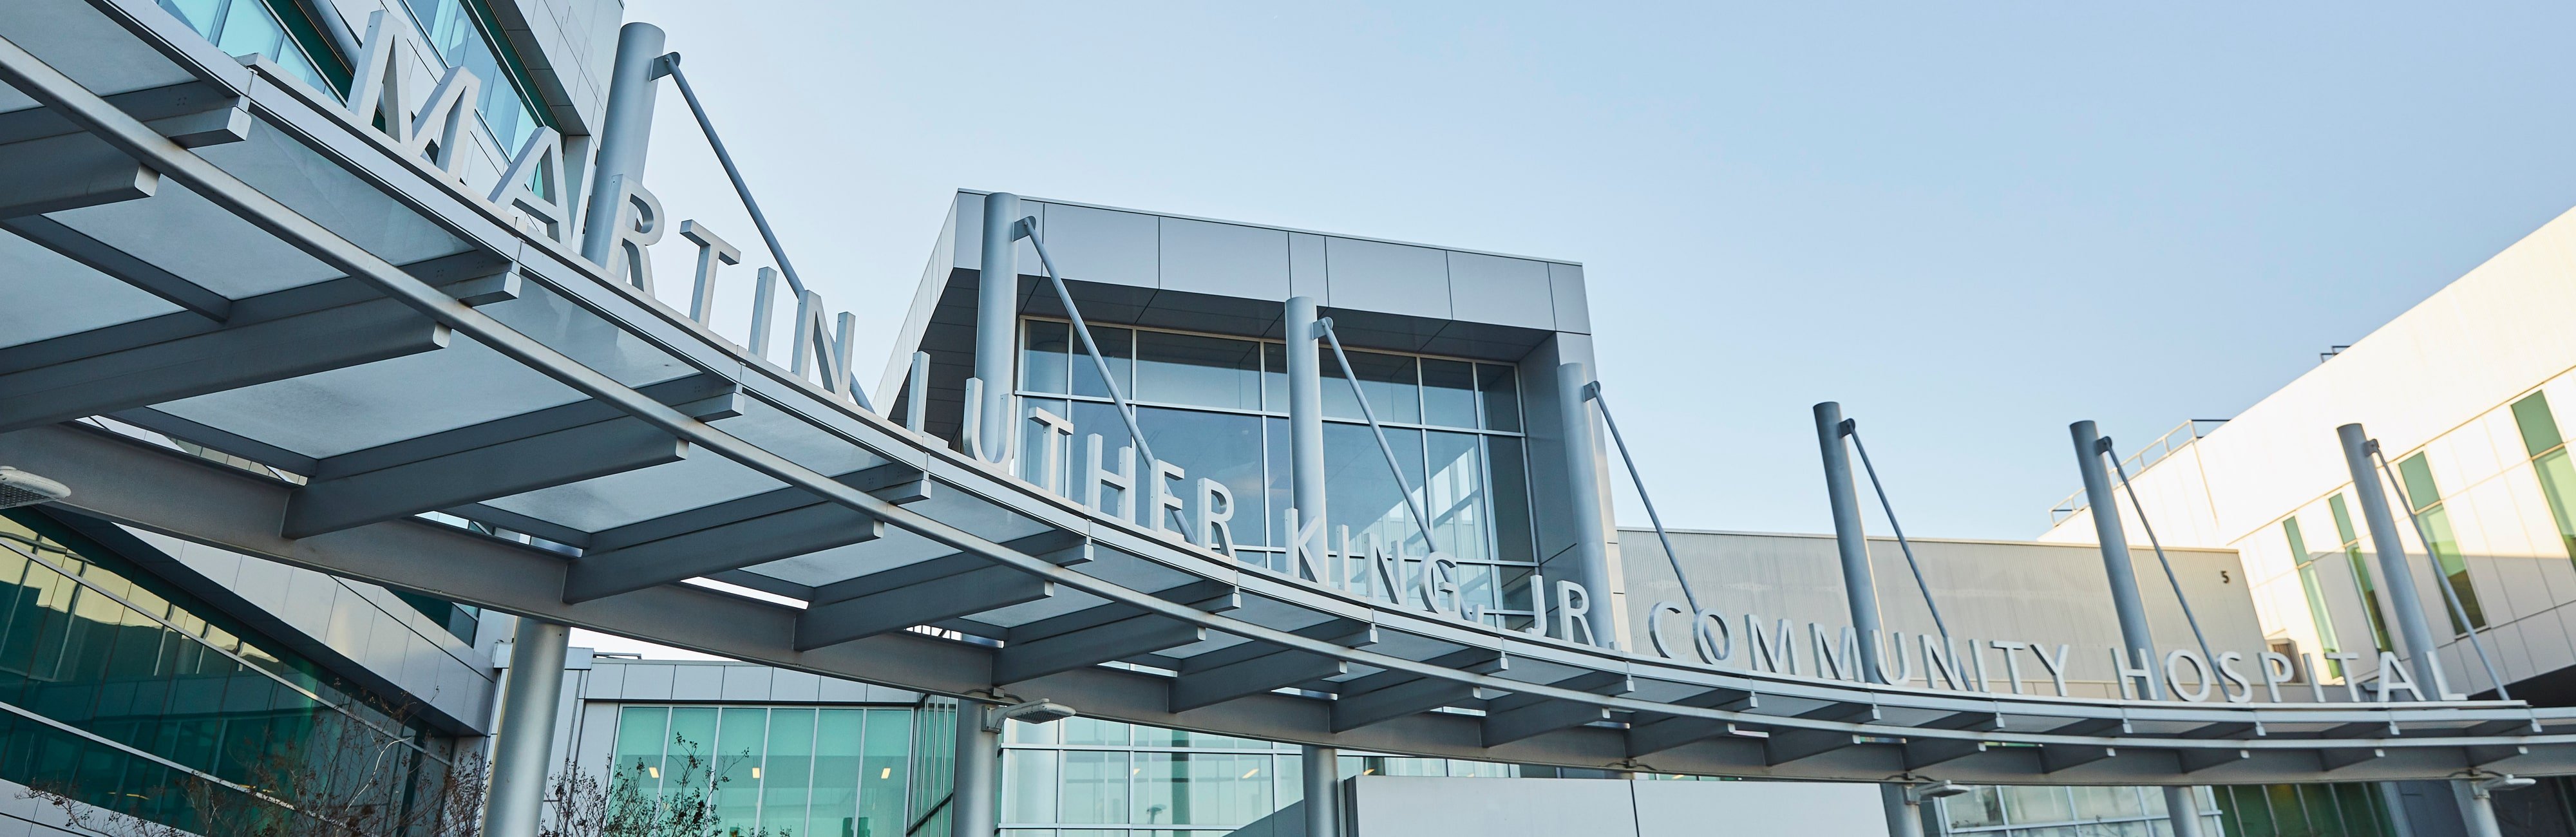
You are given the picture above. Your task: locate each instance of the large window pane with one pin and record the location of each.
(884, 773)
(1513, 537)
(1217, 789)
(2445, 546)
(1028, 785)
(1978, 808)
(787, 773)
(1455, 494)
(1095, 787)
(2539, 428)
(1118, 347)
(741, 733)
(1388, 379)
(1361, 492)
(839, 737)
(2029, 804)
(1274, 377)
(1218, 446)
(1500, 387)
(1045, 355)
(2558, 485)
(1279, 485)
(1448, 393)
(1203, 371)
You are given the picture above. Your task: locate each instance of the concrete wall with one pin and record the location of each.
(2439, 379)
(2022, 592)
(1403, 806)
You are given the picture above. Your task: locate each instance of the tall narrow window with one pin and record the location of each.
(2426, 498)
(2548, 453)
(2361, 577)
(2317, 612)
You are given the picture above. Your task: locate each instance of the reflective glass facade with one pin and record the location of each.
(114, 687)
(459, 32)
(2047, 811)
(1217, 406)
(801, 770)
(254, 27)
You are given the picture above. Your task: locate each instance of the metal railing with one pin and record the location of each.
(2148, 455)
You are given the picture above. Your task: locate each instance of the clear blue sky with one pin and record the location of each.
(1969, 222)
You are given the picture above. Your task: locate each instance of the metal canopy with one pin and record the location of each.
(291, 288)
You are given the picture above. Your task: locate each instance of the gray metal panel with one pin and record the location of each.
(1224, 259)
(1494, 289)
(1306, 266)
(1573, 304)
(1095, 245)
(1387, 278)
(747, 683)
(697, 682)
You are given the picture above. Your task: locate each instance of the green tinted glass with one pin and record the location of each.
(2539, 429)
(2418, 476)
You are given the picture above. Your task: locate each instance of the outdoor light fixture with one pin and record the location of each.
(2506, 782)
(19, 488)
(1933, 790)
(1035, 712)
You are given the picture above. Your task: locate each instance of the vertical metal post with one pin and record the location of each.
(2413, 632)
(1323, 787)
(1860, 587)
(979, 768)
(2115, 552)
(523, 747)
(1904, 814)
(2477, 809)
(2182, 807)
(916, 410)
(997, 311)
(1305, 416)
(1583, 486)
(2392, 804)
(624, 132)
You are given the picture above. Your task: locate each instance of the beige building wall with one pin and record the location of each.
(2439, 380)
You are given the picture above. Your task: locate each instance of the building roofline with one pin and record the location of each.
(1889, 539)
(1158, 213)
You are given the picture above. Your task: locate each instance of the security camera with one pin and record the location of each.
(1035, 712)
(2506, 782)
(1934, 790)
(19, 488)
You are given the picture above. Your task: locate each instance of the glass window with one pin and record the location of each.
(2107, 803)
(456, 33)
(1028, 785)
(1046, 353)
(1360, 490)
(1448, 393)
(1118, 347)
(1095, 786)
(1514, 537)
(2426, 497)
(741, 735)
(2549, 461)
(1225, 447)
(1202, 371)
(2027, 804)
(787, 771)
(1093, 731)
(2361, 572)
(884, 773)
(1274, 377)
(1389, 381)
(1978, 808)
(1500, 387)
(1455, 495)
(1217, 789)
(2317, 612)
(839, 737)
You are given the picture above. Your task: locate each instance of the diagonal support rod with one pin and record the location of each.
(1412, 503)
(1126, 411)
(1592, 392)
(2123, 472)
(2449, 596)
(1851, 429)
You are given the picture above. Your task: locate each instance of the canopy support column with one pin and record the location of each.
(979, 770)
(1323, 787)
(997, 311)
(2415, 634)
(523, 747)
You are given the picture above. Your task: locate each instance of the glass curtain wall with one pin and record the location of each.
(460, 33)
(280, 31)
(1085, 777)
(800, 770)
(1217, 407)
(2426, 497)
(2052, 811)
(2352, 809)
(116, 687)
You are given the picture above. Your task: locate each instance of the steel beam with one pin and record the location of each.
(1083, 647)
(1389, 695)
(1519, 716)
(79, 247)
(1921, 753)
(894, 482)
(1789, 745)
(482, 462)
(1276, 670)
(214, 362)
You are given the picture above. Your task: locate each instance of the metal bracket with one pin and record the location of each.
(1024, 228)
(2371, 446)
(1848, 427)
(1592, 391)
(1322, 324)
(2102, 446)
(667, 64)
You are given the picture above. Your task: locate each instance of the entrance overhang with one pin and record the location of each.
(314, 297)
